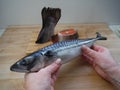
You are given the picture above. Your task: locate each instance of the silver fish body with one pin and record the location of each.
(66, 50)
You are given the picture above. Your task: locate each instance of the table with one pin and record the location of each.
(75, 75)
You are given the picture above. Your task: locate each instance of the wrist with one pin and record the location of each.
(114, 75)
(114, 72)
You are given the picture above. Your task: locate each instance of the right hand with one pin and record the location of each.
(101, 59)
(44, 79)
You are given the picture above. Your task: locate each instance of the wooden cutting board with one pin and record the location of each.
(75, 75)
(84, 32)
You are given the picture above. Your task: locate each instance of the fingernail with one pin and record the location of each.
(58, 61)
(83, 46)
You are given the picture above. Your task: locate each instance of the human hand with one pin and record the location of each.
(43, 79)
(101, 59)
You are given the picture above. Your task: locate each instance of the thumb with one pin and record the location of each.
(53, 67)
(88, 52)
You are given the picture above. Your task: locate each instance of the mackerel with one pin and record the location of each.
(66, 50)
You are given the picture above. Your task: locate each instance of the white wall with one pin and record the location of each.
(20, 12)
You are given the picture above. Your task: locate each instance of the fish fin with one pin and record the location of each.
(50, 13)
(43, 14)
(49, 53)
(100, 37)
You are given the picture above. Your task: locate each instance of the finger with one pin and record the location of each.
(98, 48)
(54, 77)
(52, 84)
(53, 67)
(86, 58)
(56, 72)
(88, 52)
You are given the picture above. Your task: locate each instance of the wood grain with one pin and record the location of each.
(75, 75)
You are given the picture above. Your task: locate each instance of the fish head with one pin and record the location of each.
(28, 64)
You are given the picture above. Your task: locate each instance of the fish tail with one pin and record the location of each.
(50, 17)
(48, 13)
(100, 37)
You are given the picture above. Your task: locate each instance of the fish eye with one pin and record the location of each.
(24, 62)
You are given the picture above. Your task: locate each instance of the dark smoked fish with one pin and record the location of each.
(66, 50)
(50, 17)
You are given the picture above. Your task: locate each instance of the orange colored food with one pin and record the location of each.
(67, 32)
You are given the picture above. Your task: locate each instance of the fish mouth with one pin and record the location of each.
(16, 68)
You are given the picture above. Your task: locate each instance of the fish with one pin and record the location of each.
(50, 17)
(65, 50)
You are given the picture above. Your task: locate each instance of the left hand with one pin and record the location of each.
(43, 79)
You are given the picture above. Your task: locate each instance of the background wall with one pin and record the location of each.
(21, 12)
